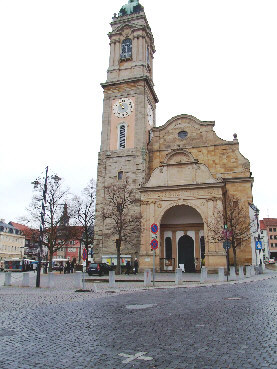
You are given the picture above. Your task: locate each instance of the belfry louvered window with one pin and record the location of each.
(126, 49)
(122, 137)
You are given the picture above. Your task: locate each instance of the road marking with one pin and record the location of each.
(233, 298)
(138, 307)
(138, 356)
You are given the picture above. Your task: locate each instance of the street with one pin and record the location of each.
(205, 327)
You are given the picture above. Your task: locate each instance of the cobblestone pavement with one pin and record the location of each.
(205, 327)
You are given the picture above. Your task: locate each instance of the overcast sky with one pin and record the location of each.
(215, 60)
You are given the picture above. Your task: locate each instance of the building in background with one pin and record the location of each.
(264, 239)
(270, 225)
(73, 249)
(12, 242)
(31, 242)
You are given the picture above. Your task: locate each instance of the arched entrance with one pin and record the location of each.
(186, 253)
(182, 239)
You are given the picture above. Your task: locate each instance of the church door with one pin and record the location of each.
(186, 253)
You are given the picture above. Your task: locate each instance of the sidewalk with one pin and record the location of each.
(125, 283)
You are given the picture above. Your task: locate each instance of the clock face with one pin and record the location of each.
(123, 107)
(150, 115)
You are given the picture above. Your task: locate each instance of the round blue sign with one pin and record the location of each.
(85, 254)
(154, 244)
(154, 228)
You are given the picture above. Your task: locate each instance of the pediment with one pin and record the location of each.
(180, 174)
(179, 157)
(126, 29)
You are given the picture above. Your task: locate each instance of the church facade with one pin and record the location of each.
(181, 171)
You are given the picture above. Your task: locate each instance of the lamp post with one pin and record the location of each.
(41, 228)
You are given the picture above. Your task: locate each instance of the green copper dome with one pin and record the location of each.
(133, 6)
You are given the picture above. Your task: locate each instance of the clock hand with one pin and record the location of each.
(122, 106)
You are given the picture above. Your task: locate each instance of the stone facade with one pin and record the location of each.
(180, 170)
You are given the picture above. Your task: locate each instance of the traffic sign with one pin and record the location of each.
(154, 228)
(154, 244)
(259, 245)
(226, 245)
(85, 254)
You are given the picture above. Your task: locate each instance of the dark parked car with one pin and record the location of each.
(99, 268)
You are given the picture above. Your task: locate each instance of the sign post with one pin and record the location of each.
(84, 256)
(227, 245)
(258, 247)
(154, 245)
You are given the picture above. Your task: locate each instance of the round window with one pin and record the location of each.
(183, 134)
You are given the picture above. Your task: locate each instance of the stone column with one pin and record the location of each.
(140, 48)
(147, 278)
(8, 279)
(233, 276)
(204, 275)
(50, 280)
(135, 49)
(25, 279)
(197, 250)
(248, 271)
(78, 280)
(221, 274)
(116, 53)
(111, 278)
(174, 248)
(112, 50)
(241, 274)
(178, 276)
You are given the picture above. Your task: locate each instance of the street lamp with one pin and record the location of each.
(41, 228)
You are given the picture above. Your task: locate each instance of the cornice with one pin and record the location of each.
(130, 80)
(182, 187)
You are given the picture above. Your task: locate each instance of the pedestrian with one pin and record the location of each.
(128, 267)
(67, 267)
(136, 265)
(72, 266)
(61, 267)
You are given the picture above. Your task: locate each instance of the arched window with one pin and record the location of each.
(126, 49)
(122, 136)
(120, 175)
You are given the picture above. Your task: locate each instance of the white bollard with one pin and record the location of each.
(78, 280)
(204, 274)
(241, 273)
(248, 271)
(25, 279)
(221, 274)
(178, 276)
(232, 276)
(147, 278)
(50, 280)
(8, 279)
(111, 278)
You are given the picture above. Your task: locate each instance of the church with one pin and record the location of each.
(181, 171)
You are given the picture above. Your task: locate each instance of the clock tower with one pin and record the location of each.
(128, 116)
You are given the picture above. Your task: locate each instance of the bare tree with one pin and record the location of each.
(120, 199)
(84, 214)
(233, 225)
(56, 231)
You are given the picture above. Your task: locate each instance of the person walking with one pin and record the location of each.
(136, 265)
(128, 267)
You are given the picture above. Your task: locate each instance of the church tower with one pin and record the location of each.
(128, 117)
